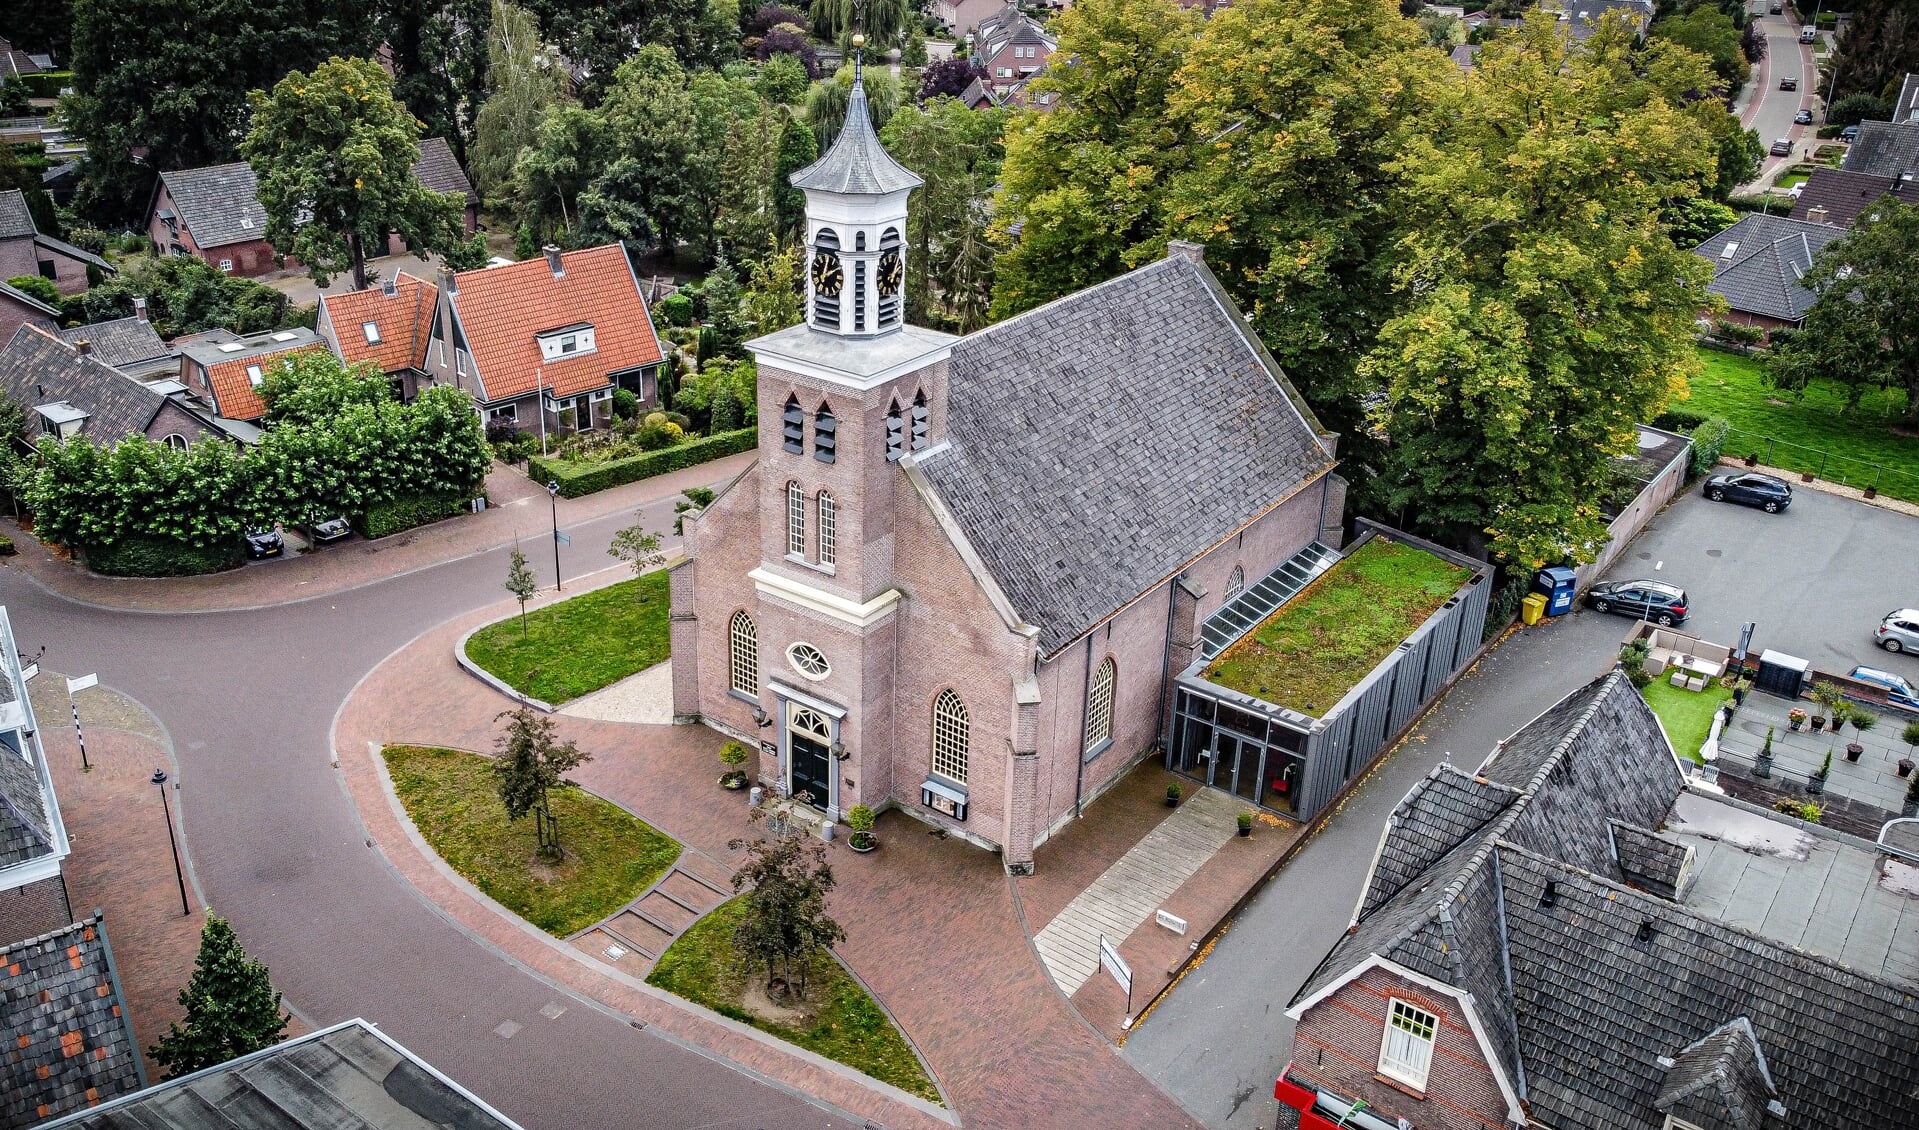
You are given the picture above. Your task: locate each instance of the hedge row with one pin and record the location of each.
(576, 479)
(46, 84)
(155, 557)
(406, 513)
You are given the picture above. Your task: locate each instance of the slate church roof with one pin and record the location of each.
(1758, 262)
(856, 163)
(1099, 443)
(66, 1042)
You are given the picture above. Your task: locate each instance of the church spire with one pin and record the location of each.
(856, 164)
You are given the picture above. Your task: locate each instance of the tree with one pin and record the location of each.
(773, 292)
(725, 313)
(184, 295)
(439, 54)
(315, 387)
(638, 548)
(46, 26)
(526, 82)
(36, 287)
(748, 210)
(468, 256)
(232, 1007)
(334, 154)
(949, 78)
(1692, 220)
(655, 184)
(1710, 32)
(784, 923)
(566, 155)
(1856, 108)
(882, 21)
(521, 582)
(599, 36)
(530, 762)
(782, 79)
(798, 149)
(790, 40)
(826, 102)
(957, 152)
(1878, 46)
(1863, 328)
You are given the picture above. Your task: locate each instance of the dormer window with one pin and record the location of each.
(61, 419)
(1731, 248)
(567, 341)
(793, 427)
(825, 435)
(372, 332)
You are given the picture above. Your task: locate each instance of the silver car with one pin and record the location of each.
(1899, 631)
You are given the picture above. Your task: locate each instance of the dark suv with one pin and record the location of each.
(1767, 493)
(1657, 601)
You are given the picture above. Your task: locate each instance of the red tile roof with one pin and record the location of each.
(404, 318)
(502, 308)
(233, 391)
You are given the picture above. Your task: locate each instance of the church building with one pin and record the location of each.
(964, 571)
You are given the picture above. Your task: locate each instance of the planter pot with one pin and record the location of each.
(1244, 832)
(1805, 476)
(863, 842)
(1905, 767)
(1853, 750)
(1172, 802)
(1762, 768)
(1795, 725)
(1818, 723)
(1815, 785)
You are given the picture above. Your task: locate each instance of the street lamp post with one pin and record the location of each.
(160, 779)
(553, 502)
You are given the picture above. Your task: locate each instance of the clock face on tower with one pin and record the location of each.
(890, 272)
(827, 276)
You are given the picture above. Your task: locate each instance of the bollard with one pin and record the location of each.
(755, 796)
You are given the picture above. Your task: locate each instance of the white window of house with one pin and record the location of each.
(176, 441)
(254, 376)
(1005, 72)
(808, 660)
(1235, 582)
(226, 265)
(504, 412)
(1678, 1124)
(569, 342)
(951, 737)
(1099, 705)
(829, 529)
(372, 332)
(795, 520)
(1406, 1052)
(743, 654)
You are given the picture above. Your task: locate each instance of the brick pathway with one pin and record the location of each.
(516, 513)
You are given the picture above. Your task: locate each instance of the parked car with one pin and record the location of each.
(329, 530)
(1899, 631)
(1802, 118)
(1657, 601)
(1782, 147)
(264, 543)
(1897, 689)
(1796, 190)
(1790, 82)
(1751, 488)
(1808, 34)
(1775, 10)
(1850, 133)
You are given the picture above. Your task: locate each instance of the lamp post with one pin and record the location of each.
(553, 502)
(160, 779)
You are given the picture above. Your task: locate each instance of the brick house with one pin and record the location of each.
(67, 389)
(1757, 264)
(961, 17)
(33, 839)
(69, 1041)
(18, 308)
(228, 373)
(129, 344)
(543, 344)
(952, 582)
(1012, 46)
(388, 325)
(1576, 935)
(215, 212)
(24, 251)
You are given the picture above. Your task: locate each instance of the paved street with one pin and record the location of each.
(1816, 580)
(1770, 110)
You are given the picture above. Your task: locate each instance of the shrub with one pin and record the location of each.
(1504, 605)
(502, 431)
(6, 546)
(657, 436)
(46, 84)
(859, 818)
(34, 286)
(626, 403)
(576, 479)
(1708, 441)
(675, 310)
(158, 557)
(406, 513)
(1738, 332)
(1856, 108)
(1678, 420)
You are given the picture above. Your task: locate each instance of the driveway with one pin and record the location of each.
(300, 289)
(1816, 580)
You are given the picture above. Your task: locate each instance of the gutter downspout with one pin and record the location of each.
(1079, 774)
(1506, 968)
(1165, 660)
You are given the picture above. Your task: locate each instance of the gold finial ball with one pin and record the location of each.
(859, 40)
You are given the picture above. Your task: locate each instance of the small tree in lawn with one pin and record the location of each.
(638, 548)
(232, 1007)
(786, 880)
(532, 762)
(521, 582)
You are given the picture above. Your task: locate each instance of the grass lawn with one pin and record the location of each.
(1687, 715)
(1307, 655)
(610, 855)
(1789, 180)
(1805, 428)
(840, 1021)
(580, 644)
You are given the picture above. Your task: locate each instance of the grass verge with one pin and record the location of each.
(1307, 655)
(581, 644)
(611, 856)
(1687, 715)
(841, 1021)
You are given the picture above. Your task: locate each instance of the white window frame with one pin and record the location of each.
(829, 534)
(1099, 705)
(809, 661)
(372, 332)
(254, 376)
(226, 265)
(743, 655)
(504, 412)
(1678, 1124)
(952, 737)
(600, 396)
(795, 520)
(176, 441)
(1406, 1044)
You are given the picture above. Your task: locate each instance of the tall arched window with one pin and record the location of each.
(1099, 705)
(829, 529)
(951, 737)
(743, 654)
(1235, 582)
(795, 520)
(176, 441)
(825, 435)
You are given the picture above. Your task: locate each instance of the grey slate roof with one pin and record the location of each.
(1647, 859)
(1769, 256)
(122, 342)
(16, 222)
(1844, 195)
(1099, 443)
(857, 163)
(1720, 1079)
(62, 1012)
(219, 204)
(1440, 812)
(25, 830)
(62, 247)
(347, 1076)
(38, 368)
(1885, 149)
(440, 171)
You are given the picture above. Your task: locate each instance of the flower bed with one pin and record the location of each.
(576, 478)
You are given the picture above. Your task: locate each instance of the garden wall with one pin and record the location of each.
(576, 479)
(1626, 526)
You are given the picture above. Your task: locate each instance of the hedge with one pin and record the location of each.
(406, 513)
(1678, 420)
(1708, 440)
(157, 557)
(576, 479)
(46, 84)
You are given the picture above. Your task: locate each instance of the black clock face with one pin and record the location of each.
(891, 270)
(827, 276)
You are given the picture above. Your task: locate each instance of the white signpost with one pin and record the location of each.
(1171, 922)
(1112, 962)
(74, 687)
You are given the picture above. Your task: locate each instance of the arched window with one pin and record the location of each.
(1099, 705)
(1235, 582)
(895, 433)
(795, 520)
(743, 654)
(825, 435)
(922, 420)
(793, 426)
(176, 441)
(829, 529)
(951, 737)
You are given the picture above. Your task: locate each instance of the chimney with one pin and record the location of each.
(389, 287)
(83, 347)
(139, 307)
(1816, 214)
(1182, 249)
(553, 261)
(447, 283)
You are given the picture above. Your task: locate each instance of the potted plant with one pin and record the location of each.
(1245, 824)
(859, 819)
(1862, 719)
(1828, 696)
(1816, 783)
(1762, 767)
(1795, 718)
(1910, 735)
(1912, 797)
(1173, 793)
(733, 755)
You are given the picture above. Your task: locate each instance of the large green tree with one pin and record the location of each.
(334, 153)
(232, 1007)
(1879, 46)
(526, 83)
(949, 265)
(1863, 331)
(439, 51)
(599, 36)
(1709, 31)
(826, 101)
(568, 152)
(647, 192)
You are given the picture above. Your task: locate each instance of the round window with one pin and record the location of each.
(808, 661)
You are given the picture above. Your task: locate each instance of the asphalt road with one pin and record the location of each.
(248, 699)
(1815, 579)
(1772, 117)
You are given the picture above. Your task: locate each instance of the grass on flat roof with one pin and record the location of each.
(1310, 652)
(1687, 715)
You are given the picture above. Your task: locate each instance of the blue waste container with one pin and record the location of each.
(1556, 584)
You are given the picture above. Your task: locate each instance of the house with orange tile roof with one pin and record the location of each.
(544, 343)
(387, 325)
(230, 373)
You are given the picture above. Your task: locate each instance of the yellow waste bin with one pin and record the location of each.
(1533, 609)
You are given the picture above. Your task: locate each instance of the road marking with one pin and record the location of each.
(1658, 565)
(552, 1010)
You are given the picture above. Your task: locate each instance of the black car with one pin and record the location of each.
(1767, 493)
(1657, 601)
(329, 530)
(264, 543)
(1802, 118)
(1790, 82)
(1781, 147)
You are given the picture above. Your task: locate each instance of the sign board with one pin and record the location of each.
(769, 749)
(28, 672)
(1110, 961)
(562, 537)
(75, 686)
(1172, 922)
